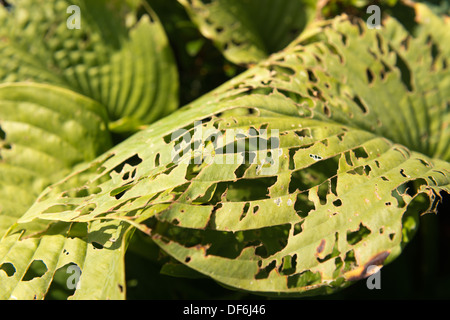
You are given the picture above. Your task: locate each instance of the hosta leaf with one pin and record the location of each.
(306, 170)
(45, 131)
(123, 62)
(247, 31)
(89, 265)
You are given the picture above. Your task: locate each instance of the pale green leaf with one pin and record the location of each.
(90, 265)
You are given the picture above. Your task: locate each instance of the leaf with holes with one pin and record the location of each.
(247, 31)
(123, 62)
(295, 177)
(88, 261)
(44, 132)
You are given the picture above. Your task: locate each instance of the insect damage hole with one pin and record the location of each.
(360, 104)
(264, 272)
(35, 270)
(8, 268)
(353, 237)
(132, 161)
(288, 265)
(97, 245)
(245, 211)
(370, 75)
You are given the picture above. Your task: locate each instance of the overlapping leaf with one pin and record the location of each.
(247, 31)
(121, 61)
(116, 58)
(355, 130)
(46, 131)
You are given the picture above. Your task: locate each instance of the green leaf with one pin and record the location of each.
(247, 31)
(122, 61)
(91, 265)
(45, 132)
(356, 126)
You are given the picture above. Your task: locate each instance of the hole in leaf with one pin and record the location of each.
(348, 158)
(405, 72)
(8, 268)
(333, 185)
(119, 192)
(402, 172)
(2, 134)
(340, 136)
(303, 205)
(311, 76)
(36, 270)
(360, 153)
(240, 171)
(264, 273)
(370, 75)
(97, 245)
(60, 208)
(322, 193)
(244, 211)
(386, 69)
(249, 189)
(353, 237)
(360, 104)
(132, 161)
(400, 202)
(327, 111)
(344, 39)
(377, 163)
(298, 227)
(291, 158)
(288, 265)
(380, 43)
(338, 265)
(304, 133)
(306, 278)
(64, 283)
(433, 180)
(349, 260)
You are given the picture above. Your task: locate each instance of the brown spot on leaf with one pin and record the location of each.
(362, 272)
(321, 247)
